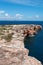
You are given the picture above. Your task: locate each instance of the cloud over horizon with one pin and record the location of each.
(18, 16)
(6, 16)
(2, 11)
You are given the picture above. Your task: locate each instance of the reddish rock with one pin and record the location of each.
(38, 27)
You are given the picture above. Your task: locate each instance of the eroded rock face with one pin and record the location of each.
(27, 30)
(33, 30)
(17, 56)
(14, 52)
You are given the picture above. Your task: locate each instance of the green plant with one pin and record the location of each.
(8, 37)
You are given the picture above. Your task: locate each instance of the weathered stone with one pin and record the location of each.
(13, 52)
(16, 56)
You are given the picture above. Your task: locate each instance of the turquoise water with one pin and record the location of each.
(34, 44)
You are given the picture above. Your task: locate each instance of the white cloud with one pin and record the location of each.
(6, 14)
(37, 16)
(2, 11)
(18, 16)
(34, 17)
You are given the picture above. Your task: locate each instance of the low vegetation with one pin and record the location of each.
(4, 32)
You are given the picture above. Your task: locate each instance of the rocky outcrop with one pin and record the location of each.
(28, 30)
(16, 56)
(14, 52)
(33, 30)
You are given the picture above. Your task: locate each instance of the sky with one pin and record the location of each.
(30, 10)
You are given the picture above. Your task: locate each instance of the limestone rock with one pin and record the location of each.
(17, 56)
(13, 52)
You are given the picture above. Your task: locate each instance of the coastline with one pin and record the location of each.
(17, 44)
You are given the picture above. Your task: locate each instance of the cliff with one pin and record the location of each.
(12, 50)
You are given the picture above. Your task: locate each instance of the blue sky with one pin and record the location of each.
(21, 10)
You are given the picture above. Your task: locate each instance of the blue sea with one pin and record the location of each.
(34, 44)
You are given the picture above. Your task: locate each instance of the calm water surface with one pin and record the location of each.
(35, 44)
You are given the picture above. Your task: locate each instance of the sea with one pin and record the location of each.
(34, 44)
